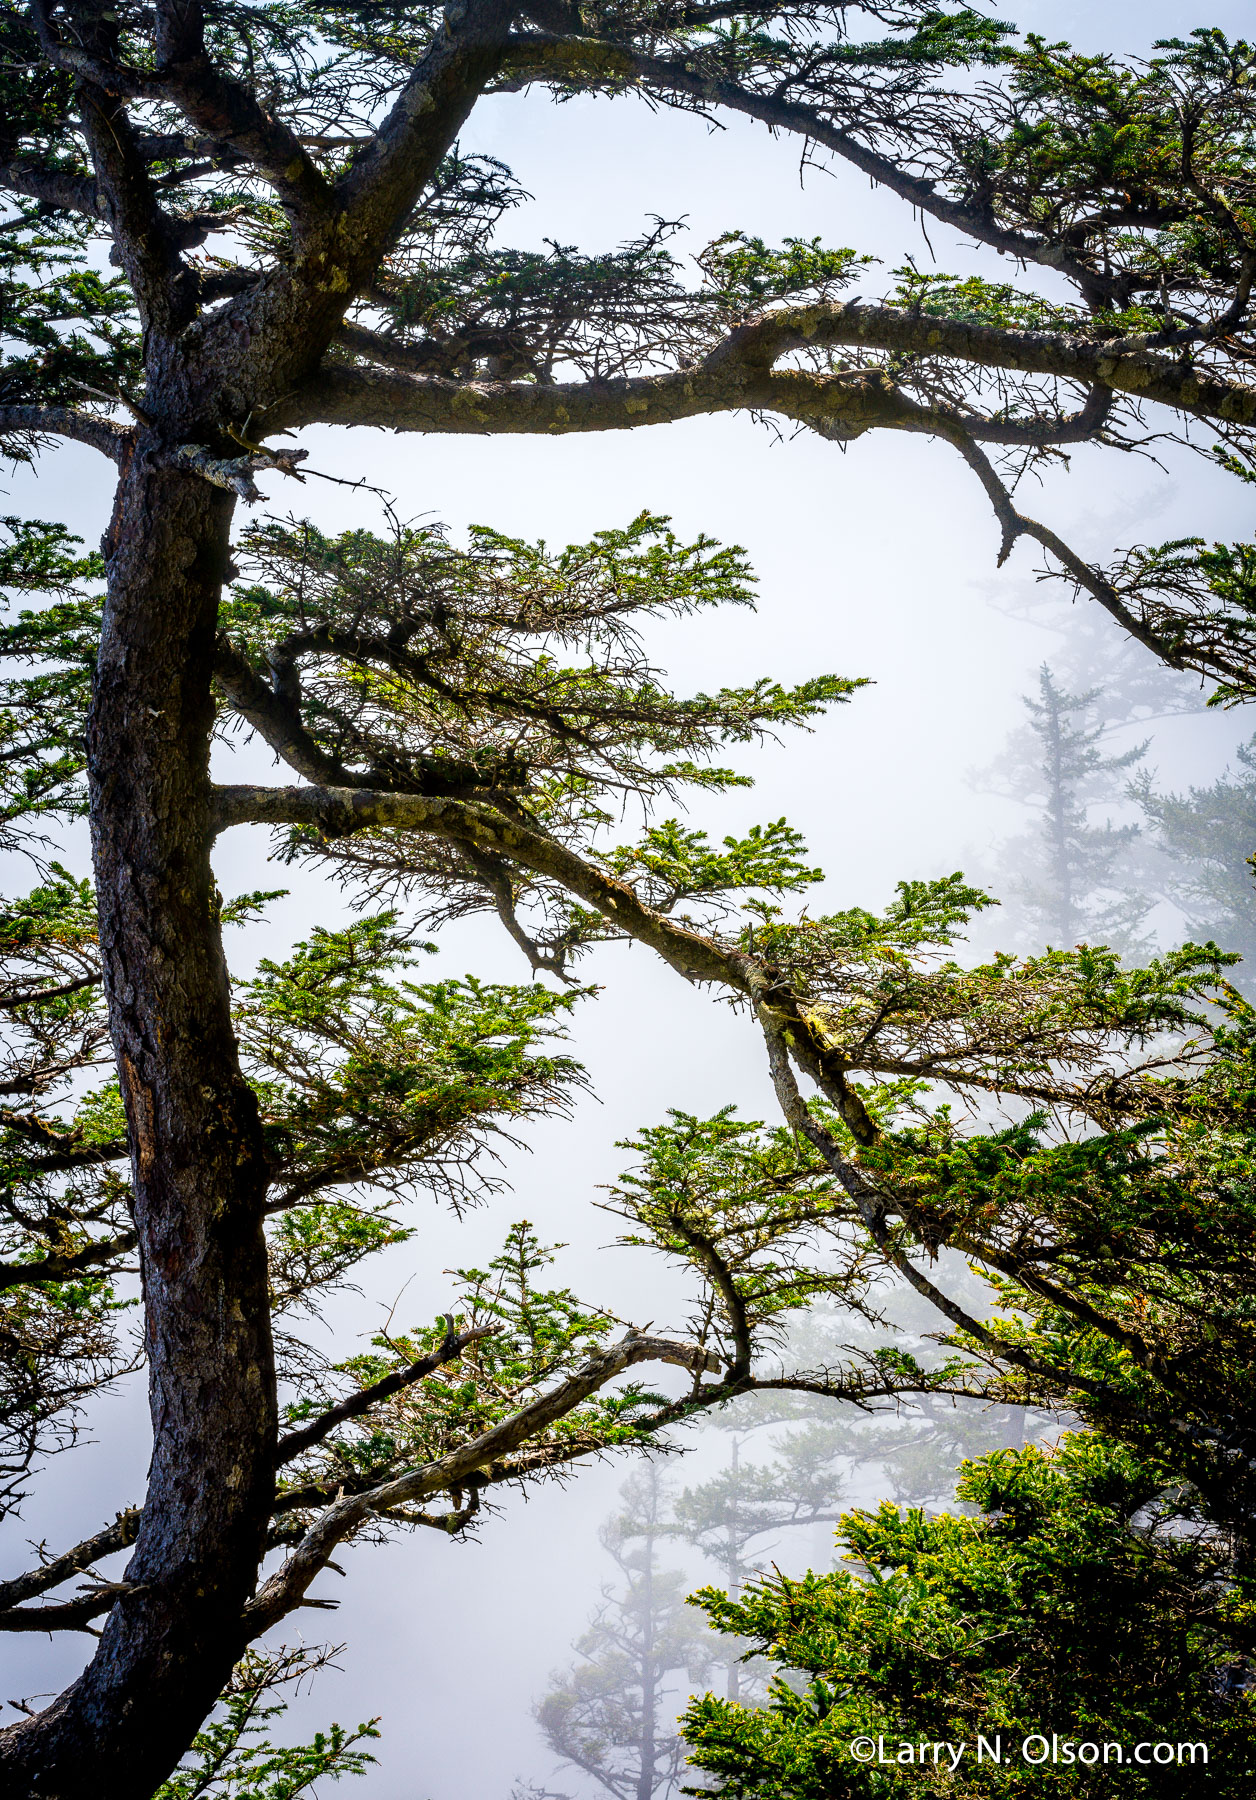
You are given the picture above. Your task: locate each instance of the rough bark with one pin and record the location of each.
(199, 1171)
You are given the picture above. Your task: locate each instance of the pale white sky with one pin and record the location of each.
(876, 562)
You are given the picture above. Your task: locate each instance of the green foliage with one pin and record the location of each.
(1192, 593)
(1080, 1130)
(506, 665)
(542, 315)
(1209, 835)
(514, 673)
(66, 327)
(43, 714)
(975, 301)
(62, 1209)
(529, 1337)
(758, 1214)
(674, 863)
(1066, 1602)
(232, 1756)
(370, 1080)
(1092, 125)
(372, 1088)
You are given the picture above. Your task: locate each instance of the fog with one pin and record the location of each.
(876, 561)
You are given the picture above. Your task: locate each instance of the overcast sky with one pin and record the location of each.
(877, 562)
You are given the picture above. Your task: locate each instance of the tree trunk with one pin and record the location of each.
(734, 1563)
(1058, 811)
(198, 1167)
(648, 1748)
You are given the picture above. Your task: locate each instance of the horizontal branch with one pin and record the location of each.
(338, 812)
(235, 473)
(340, 393)
(1124, 367)
(118, 1536)
(294, 1442)
(739, 375)
(110, 439)
(54, 187)
(842, 405)
(287, 1588)
(65, 1148)
(64, 1268)
(66, 1615)
(12, 998)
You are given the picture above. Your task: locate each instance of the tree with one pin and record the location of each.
(1067, 1604)
(613, 1714)
(360, 283)
(1074, 876)
(1075, 881)
(734, 1510)
(1207, 834)
(594, 1717)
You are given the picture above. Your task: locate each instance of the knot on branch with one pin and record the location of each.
(235, 473)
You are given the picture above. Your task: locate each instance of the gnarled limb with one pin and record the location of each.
(65, 1267)
(67, 1615)
(1214, 659)
(738, 373)
(287, 1588)
(229, 113)
(118, 1536)
(51, 187)
(111, 439)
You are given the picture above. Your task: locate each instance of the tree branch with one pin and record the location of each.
(235, 473)
(67, 1615)
(118, 1536)
(294, 1442)
(110, 439)
(287, 1588)
(51, 187)
(386, 177)
(110, 77)
(1126, 367)
(144, 238)
(277, 720)
(548, 56)
(63, 1268)
(430, 356)
(230, 114)
(1210, 660)
(67, 1148)
(840, 406)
